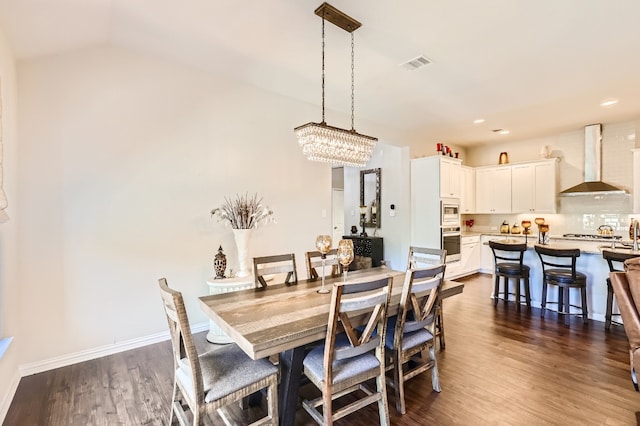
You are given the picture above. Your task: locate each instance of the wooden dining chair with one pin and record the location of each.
(425, 256)
(420, 257)
(410, 341)
(207, 382)
(314, 260)
(353, 352)
(267, 268)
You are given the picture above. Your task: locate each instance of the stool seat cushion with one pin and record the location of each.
(514, 269)
(564, 276)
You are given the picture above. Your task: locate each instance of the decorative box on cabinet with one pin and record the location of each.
(225, 285)
(369, 247)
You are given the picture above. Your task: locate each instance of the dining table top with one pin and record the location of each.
(267, 321)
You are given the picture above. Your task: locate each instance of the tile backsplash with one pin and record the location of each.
(576, 215)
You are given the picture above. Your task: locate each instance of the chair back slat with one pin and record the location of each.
(314, 264)
(284, 264)
(615, 259)
(508, 252)
(420, 257)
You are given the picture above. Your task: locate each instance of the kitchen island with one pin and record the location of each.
(590, 262)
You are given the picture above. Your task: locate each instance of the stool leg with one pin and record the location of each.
(527, 292)
(560, 299)
(607, 315)
(496, 290)
(585, 315)
(543, 303)
(517, 283)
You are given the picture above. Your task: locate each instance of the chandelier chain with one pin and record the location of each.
(323, 69)
(353, 95)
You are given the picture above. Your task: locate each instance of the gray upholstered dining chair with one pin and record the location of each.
(420, 257)
(333, 268)
(351, 355)
(266, 268)
(206, 382)
(410, 341)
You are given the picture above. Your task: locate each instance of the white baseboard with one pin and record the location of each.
(89, 354)
(8, 397)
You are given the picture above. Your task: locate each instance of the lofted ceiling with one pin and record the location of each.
(534, 68)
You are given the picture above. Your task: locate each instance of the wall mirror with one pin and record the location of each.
(370, 196)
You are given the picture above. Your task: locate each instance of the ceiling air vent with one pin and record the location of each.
(416, 63)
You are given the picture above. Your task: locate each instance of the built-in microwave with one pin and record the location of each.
(450, 214)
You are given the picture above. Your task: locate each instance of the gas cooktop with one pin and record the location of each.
(593, 236)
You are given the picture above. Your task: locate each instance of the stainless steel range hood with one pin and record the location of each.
(592, 184)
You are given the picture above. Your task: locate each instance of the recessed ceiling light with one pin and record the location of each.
(608, 102)
(478, 121)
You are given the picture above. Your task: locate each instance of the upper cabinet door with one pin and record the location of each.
(468, 190)
(493, 189)
(534, 187)
(450, 171)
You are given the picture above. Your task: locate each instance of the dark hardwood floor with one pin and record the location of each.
(500, 367)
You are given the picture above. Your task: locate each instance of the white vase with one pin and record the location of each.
(242, 237)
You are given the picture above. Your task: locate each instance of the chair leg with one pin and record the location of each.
(527, 291)
(517, 293)
(383, 407)
(607, 315)
(398, 378)
(543, 303)
(327, 408)
(585, 314)
(435, 376)
(560, 300)
(440, 325)
(496, 290)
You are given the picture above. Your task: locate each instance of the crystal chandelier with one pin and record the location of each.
(321, 142)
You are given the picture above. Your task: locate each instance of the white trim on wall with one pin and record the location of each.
(8, 397)
(89, 354)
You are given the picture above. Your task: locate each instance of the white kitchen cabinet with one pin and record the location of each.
(468, 190)
(493, 189)
(470, 254)
(534, 187)
(450, 174)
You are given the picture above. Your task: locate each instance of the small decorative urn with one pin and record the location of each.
(220, 264)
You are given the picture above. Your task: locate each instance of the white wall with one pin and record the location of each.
(395, 175)
(122, 157)
(10, 306)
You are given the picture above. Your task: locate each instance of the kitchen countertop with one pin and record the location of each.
(586, 246)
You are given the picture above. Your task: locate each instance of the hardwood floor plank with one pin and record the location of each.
(500, 367)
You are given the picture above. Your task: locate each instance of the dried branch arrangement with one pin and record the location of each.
(243, 212)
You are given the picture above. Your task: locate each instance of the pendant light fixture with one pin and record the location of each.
(321, 142)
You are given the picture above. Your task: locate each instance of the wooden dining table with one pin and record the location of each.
(283, 319)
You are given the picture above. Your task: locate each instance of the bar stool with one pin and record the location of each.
(559, 269)
(615, 259)
(508, 264)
